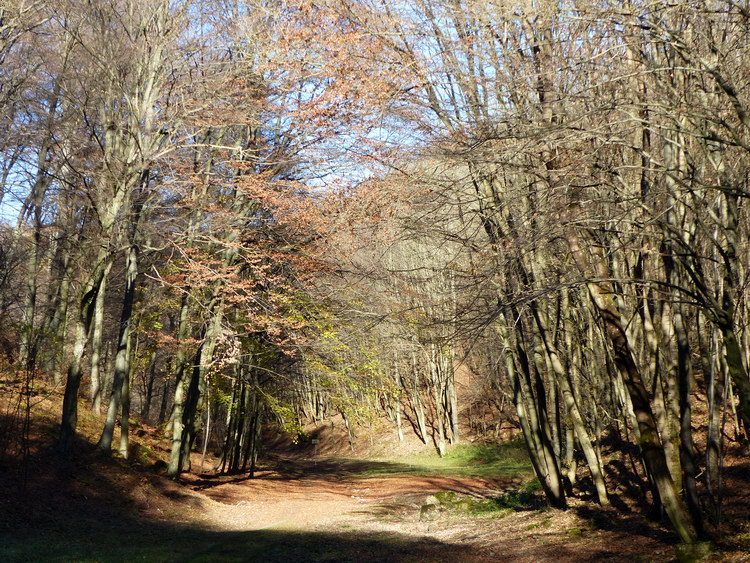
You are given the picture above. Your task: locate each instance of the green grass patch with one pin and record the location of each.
(526, 497)
(508, 460)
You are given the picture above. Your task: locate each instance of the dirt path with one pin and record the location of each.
(324, 494)
(332, 512)
(300, 511)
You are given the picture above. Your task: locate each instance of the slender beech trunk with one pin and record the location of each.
(732, 350)
(146, 405)
(651, 446)
(437, 377)
(687, 455)
(231, 433)
(715, 395)
(452, 401)
(203, 358)
(124, 448)
(680, 231)
(120, 384)
(540, 451)
(95, 389)
(206, 433)
(69, 417)
(27, 354)
(592, 459)
(397, 401)
(163, 403)
(415, 398)
(661, 376)
(175, 462)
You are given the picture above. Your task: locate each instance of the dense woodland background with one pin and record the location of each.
(220, 216)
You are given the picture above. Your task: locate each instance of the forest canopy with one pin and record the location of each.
(219, 215)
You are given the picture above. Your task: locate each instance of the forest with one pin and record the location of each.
(439, 222)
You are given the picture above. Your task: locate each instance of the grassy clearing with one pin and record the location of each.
(508, 460)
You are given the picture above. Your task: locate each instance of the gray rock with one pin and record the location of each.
(428, 512)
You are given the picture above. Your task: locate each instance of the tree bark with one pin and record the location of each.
(95, 390)
(120, 386)
(651, 446)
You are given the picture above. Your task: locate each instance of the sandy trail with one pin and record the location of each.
(323, 501)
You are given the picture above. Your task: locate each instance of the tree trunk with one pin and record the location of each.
(125, 418)
(69, 417)
(175, 461)
(651, 447)
(536, 436)
(95, 390)
(592, 459)
(203, 358)
(121, 383)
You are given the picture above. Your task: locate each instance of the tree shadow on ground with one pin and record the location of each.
(129, 540)
(339, 475)
(338, 469)
(630, 524)
(96, 508)
(734, 531)
(334, 470)
(341, 468)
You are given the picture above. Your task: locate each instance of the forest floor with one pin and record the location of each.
(325, 509)
(479, 503)
(344, 510)
(311, 510)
